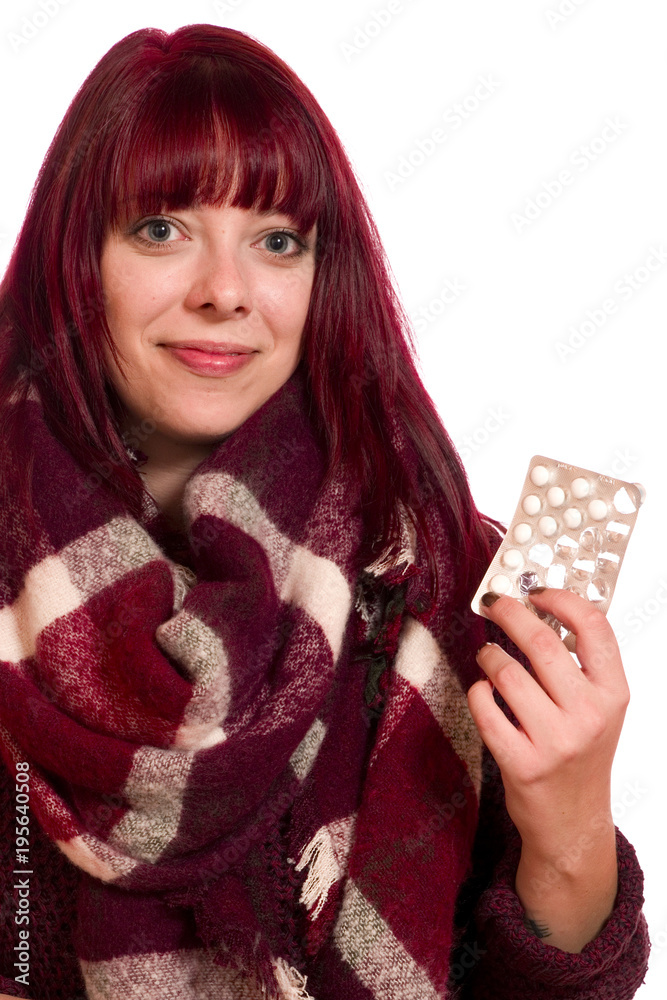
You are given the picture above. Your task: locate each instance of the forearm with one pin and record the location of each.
(569, 894)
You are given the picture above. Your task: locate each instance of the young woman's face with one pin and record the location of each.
(207, 308)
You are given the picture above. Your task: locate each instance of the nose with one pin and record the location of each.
(219, 285)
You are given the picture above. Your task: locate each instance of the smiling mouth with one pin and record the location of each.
(209, 360)
(211, 347)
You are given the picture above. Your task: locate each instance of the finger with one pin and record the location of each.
(597, 648)
(558, 674)
(532, 706)
(500, 736)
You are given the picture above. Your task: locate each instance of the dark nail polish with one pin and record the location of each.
(488, 599)
(537, 590)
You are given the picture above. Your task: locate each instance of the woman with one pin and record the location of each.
(244, 693)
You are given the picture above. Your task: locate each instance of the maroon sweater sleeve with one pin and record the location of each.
(518, 965)
(499, 957)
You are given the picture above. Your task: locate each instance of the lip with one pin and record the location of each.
(212, 346)
(209, 359)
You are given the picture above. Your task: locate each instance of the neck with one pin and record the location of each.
(165, 473)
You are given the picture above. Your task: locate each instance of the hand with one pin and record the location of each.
(556, 766)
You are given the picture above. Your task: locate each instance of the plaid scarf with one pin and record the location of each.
(263, 764)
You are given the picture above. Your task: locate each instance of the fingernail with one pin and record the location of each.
(537, 590)
(488, 599)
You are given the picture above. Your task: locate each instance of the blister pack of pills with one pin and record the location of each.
(570, 530)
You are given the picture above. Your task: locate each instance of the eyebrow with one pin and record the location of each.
(277, 211)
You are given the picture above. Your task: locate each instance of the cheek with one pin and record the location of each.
(133, 295)
(287, 303)
(119, 292)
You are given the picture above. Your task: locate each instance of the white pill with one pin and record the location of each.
(556, 496)
(597, 510)
(512, 558)
(580, 488)
(548, 526)
(572, 517)
(500, 584)
(540, 475)
(531, 504)
(522, 533)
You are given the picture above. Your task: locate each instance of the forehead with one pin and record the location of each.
(217, 156)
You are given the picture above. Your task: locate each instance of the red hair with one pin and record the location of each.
(209, 115)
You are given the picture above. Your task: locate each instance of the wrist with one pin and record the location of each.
(579, 866)
(570, 849)
(568, 897)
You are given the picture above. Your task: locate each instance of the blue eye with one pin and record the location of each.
(161, 233)
(283, 243)
(158, 230)
(278, 242)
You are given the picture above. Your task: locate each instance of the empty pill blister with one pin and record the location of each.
(570, 530)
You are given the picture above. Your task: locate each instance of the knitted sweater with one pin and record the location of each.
(497, 957)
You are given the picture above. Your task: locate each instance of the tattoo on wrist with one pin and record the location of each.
(538, 929)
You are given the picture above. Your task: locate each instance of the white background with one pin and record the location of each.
(495, 358)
